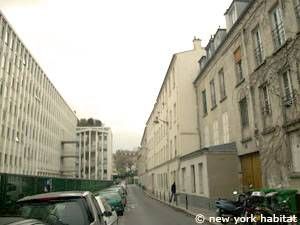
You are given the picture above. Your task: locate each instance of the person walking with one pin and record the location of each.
(173, 192)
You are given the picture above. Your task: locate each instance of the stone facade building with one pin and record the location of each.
(248, 91)
(247, 100)
(171, 140)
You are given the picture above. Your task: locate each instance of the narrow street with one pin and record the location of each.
(142, 210)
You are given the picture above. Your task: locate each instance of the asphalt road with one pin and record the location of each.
(142, 210)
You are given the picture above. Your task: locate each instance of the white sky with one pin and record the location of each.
(108, 58)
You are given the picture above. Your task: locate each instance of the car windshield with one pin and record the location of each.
(111, 195)
(56, 212)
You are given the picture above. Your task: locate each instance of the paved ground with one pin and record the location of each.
(142, 210)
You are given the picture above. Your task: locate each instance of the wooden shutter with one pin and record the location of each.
(237, 55)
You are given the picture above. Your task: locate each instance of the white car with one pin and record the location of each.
(110, 216)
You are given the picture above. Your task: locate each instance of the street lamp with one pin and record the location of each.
(157, 120)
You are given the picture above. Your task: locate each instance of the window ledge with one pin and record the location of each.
(240, 82)
(223, 99)
(276, 50)
(268, 130)
(295, 175)
(246, 139)
(215, 106)
(260, 65)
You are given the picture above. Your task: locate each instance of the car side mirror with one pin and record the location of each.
(107, 213)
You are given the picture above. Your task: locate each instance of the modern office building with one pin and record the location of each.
(95, 152)
(37, 126)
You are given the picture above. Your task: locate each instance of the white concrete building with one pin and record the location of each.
(35, 119)
(171, 130)
(95, 152)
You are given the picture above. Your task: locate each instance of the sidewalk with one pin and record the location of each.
(191, 211)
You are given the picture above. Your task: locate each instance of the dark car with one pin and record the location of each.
(114, 200)
(19, 221)
(60, 208)
(120, 190)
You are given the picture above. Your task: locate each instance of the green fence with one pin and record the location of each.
(14, 187)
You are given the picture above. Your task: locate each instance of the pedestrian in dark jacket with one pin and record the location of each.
(173, 192)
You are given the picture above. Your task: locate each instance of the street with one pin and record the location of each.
(142, 210)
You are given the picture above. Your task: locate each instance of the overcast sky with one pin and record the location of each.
(108, 58)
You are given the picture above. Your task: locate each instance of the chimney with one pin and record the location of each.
(197, 43)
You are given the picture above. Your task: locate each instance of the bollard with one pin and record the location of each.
(164, 196)
(186, 202)
(160, 195)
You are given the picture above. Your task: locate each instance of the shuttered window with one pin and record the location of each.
(238, 65)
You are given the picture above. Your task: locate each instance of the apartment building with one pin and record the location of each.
(35, 120)
(142, 160)
(95, 152)
(248, 91)
(171, 130)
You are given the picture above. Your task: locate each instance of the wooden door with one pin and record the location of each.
(251, 170)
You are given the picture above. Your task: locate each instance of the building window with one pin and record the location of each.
(175, 145)
(225, 127)
(238, 65)
(3, 30)
(278, 32)
(6, 37)
(193, 182)
(3, 62)
(222, 84)
(170, 122)
(232, 15)
(200, 171)
(258, 48)
(244, 112)
(204, 103)
(174, 112)
(265, 100)
(173, 77)
(297, 8)
(171, 149)
(213, 94)
(216, 132)
(287, 88)
(183, 179)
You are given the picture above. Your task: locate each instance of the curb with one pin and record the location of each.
(177, 207)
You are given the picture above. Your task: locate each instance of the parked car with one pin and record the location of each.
(58, 208)
(114, 200)
(19, 221)
(109, 215)
(120, 190)
(123, 186)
